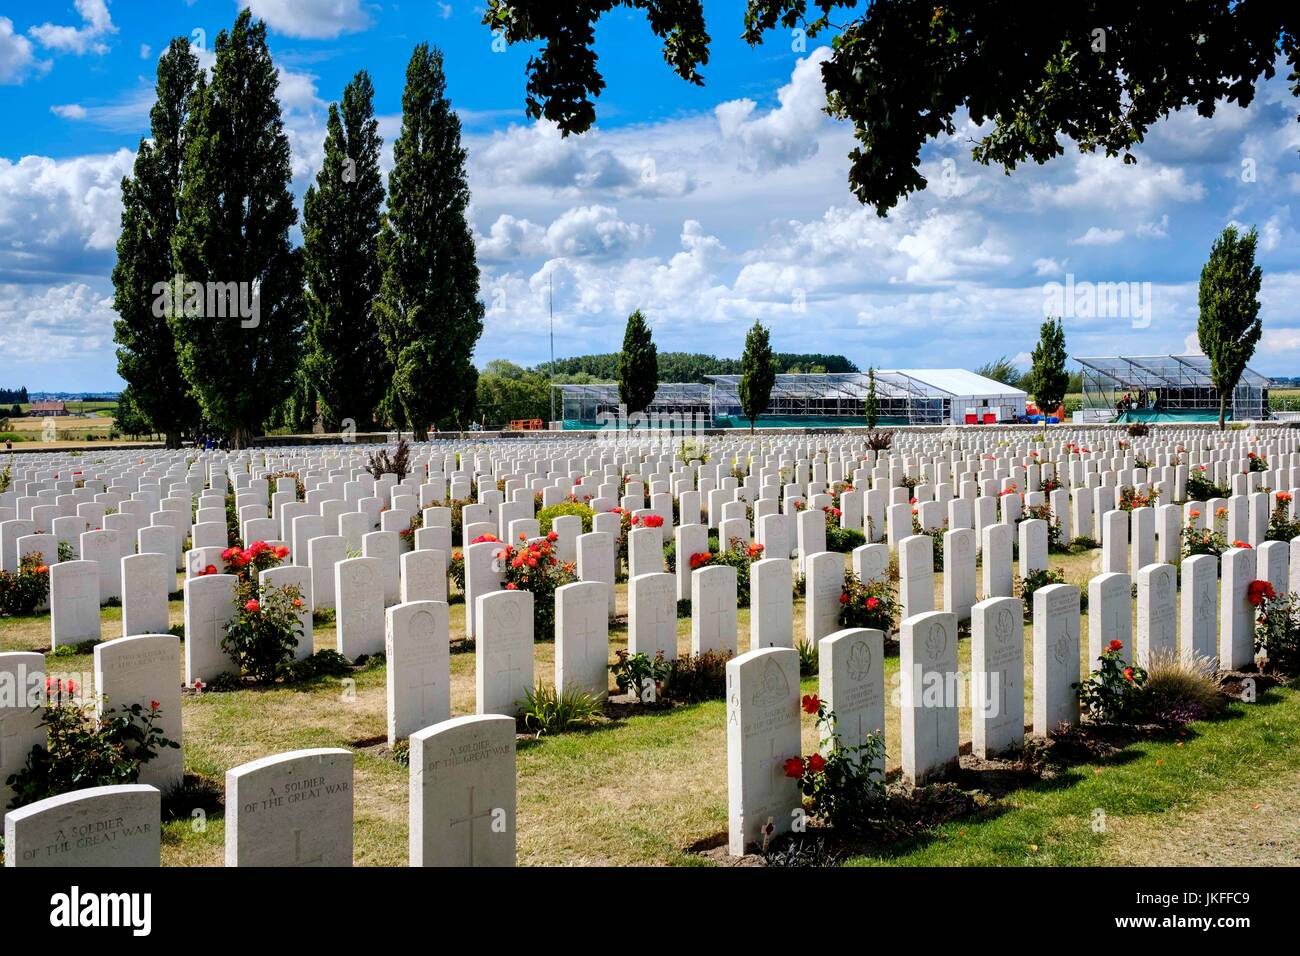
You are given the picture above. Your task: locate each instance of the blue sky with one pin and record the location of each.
(705, 207)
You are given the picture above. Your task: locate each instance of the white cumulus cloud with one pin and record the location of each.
(16, 57)
(1098, 237)
(310, 19)
(87, 38)
(788, 133)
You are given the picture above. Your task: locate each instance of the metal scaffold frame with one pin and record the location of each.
(1178, 384)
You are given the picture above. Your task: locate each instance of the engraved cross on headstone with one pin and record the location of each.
(297, 852)
(422, 680)
(9, 741)
(469, 819)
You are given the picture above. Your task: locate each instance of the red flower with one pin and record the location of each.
(511, 586)
(1128, 674)
(256, 548)
(297, 602)
(229, 553)
(872, 603)
(1241, 544)
(816, 763)
(252, 607)
(154, 705)
(70, 686)
(1116, 645)
(281, 552)
(810, 703)
(552, 536)
(210, 569)
(1259, 591)
(844, 599)
(42, 569)
(794, 768)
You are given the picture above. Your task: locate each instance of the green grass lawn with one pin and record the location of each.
(652, 789)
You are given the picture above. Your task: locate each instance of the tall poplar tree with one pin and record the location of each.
(757, 374)
(638, 365)
(236, 211)
(1048, 378)
(344, 357)
(873, 402)
(1228, 327)
(428, 312)
(146, 354)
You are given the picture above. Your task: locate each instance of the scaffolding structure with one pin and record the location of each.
(596, 404)
(900, 399)
(819, 399)
(1167, 386)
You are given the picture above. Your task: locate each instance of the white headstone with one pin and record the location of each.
(1056, 657)
(147, 580)
(96, 827)
(997, 676)
(582, 639)
(762, 734)
(851, 674)
(462, 793)
(291, 809)
(652, 615)
(359, 611)
(209, 609)
(418, 667)
(145, 670)
(928, 684)
(1199, 607)
(22, 680)
(1157, 613)
(503, 662)
(713, 610)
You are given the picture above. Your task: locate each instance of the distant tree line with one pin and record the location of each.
(693, 366)
(14, 396)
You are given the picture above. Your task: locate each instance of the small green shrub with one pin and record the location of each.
(263, 637)
(845, 784)
(808, 655)
(697, 677)
(1277, 631)
(402, 752)
(1111, 693)
(546, 517)
(868, 604)
(22, 591)
(1034, 580)
(326, 663)
(631, 671)
(1178, 691)
(547, 711)
(84, 751)
(843, 540)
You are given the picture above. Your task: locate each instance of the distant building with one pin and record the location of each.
(49, 407)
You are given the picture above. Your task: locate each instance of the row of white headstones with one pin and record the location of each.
(419, 620)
